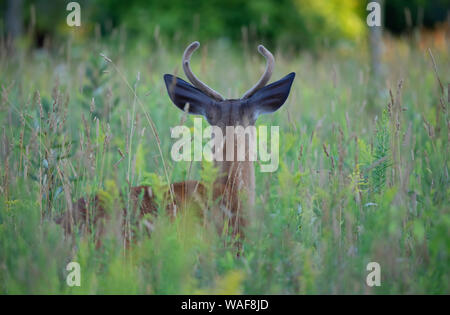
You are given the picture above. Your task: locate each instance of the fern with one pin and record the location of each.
(380, 154)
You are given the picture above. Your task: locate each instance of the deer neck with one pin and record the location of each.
(237, 176)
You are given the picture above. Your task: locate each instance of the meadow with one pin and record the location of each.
(363, 176)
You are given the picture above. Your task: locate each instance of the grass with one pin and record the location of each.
(358, 181)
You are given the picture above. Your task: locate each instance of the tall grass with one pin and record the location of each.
(355, 184)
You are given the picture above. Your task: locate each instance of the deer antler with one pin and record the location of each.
(267, 73)
(194, 80)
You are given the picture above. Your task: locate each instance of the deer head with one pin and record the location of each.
(221, 112)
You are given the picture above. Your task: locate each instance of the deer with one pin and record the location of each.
(234, 187)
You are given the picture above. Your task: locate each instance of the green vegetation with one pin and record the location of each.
(290, 23)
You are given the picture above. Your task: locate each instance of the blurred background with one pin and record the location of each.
(289, 23)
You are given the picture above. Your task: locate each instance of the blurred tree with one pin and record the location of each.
(14, 18)
(296, 23)
(376, 66)
(402, 15)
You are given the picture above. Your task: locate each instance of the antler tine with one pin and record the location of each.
(194, 80)
(267, 73)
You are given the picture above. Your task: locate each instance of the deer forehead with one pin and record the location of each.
(233, 112)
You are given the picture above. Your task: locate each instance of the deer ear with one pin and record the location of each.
(182, 93)
(271, 97)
